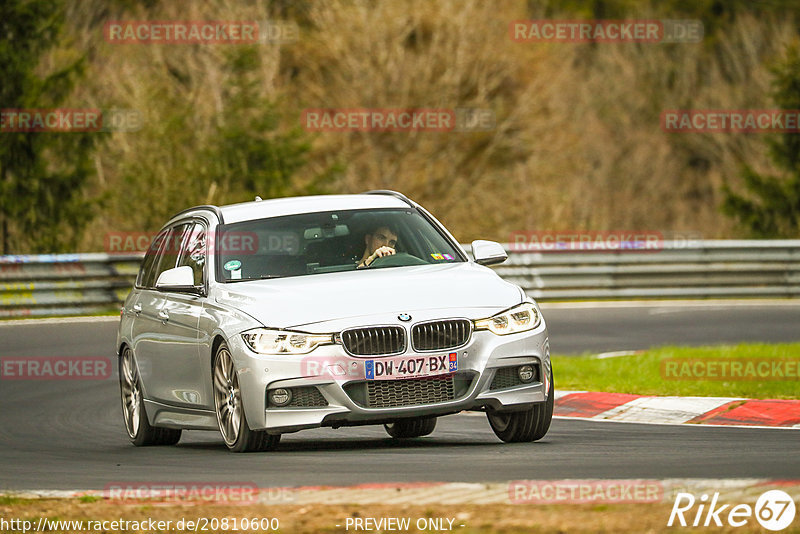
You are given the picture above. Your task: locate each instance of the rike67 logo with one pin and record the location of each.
(774, 510)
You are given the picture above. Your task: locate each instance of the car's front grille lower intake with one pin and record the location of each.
(505, 377)
(508, 377)
(392, 393)
(410, 392)
(302, 397)
(375, 340)
(307, 397)
(440, 335)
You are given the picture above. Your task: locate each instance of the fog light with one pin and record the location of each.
(526, 373)
(280, 396)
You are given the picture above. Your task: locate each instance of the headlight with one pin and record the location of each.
(518, 319)
(265, 341)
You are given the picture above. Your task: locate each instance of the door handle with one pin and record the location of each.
(137, 309)
(163, 315)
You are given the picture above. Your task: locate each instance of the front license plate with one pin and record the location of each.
(411, 366)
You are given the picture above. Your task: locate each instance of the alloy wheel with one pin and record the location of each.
(227, 397)
(131, 393)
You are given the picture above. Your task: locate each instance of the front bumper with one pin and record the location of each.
(485, 379)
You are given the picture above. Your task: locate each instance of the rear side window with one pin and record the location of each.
(163, 254)
(193, 252)
(169, 252)
(146, 276)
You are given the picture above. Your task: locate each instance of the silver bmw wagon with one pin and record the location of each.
(274, 316)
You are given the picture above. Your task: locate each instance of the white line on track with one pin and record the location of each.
(684, 425)
(712, 303)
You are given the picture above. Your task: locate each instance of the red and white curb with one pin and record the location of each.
(623, 407)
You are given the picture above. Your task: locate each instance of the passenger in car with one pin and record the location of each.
(381, 241)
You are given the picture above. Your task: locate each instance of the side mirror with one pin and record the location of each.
(488, 252)
(178, 278)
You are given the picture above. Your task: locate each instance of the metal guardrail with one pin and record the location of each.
(703, 269)
(69, 284)
(64, 284)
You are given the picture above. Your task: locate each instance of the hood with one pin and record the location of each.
(304, 300)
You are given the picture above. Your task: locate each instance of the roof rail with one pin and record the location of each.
(391, 193)
(215, 209)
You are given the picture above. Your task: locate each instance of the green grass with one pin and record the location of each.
(646, 373)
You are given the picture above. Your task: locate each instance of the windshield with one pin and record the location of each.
(326, 242)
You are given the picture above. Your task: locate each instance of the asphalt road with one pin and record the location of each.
(625, 327)
(69, 434)
(573, 330)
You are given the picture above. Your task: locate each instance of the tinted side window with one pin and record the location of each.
(146, 276)
(193, 252)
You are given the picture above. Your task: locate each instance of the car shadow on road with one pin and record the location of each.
(354, 444)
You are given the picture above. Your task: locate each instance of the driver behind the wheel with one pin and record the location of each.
(381, 241)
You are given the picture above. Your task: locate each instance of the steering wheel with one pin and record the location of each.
(399, 259)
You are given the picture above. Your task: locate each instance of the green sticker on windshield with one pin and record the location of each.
(233, 265)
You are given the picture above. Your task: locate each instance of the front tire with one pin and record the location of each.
(232, 421)
(140, 432)
(525, 425)
(411, 428)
